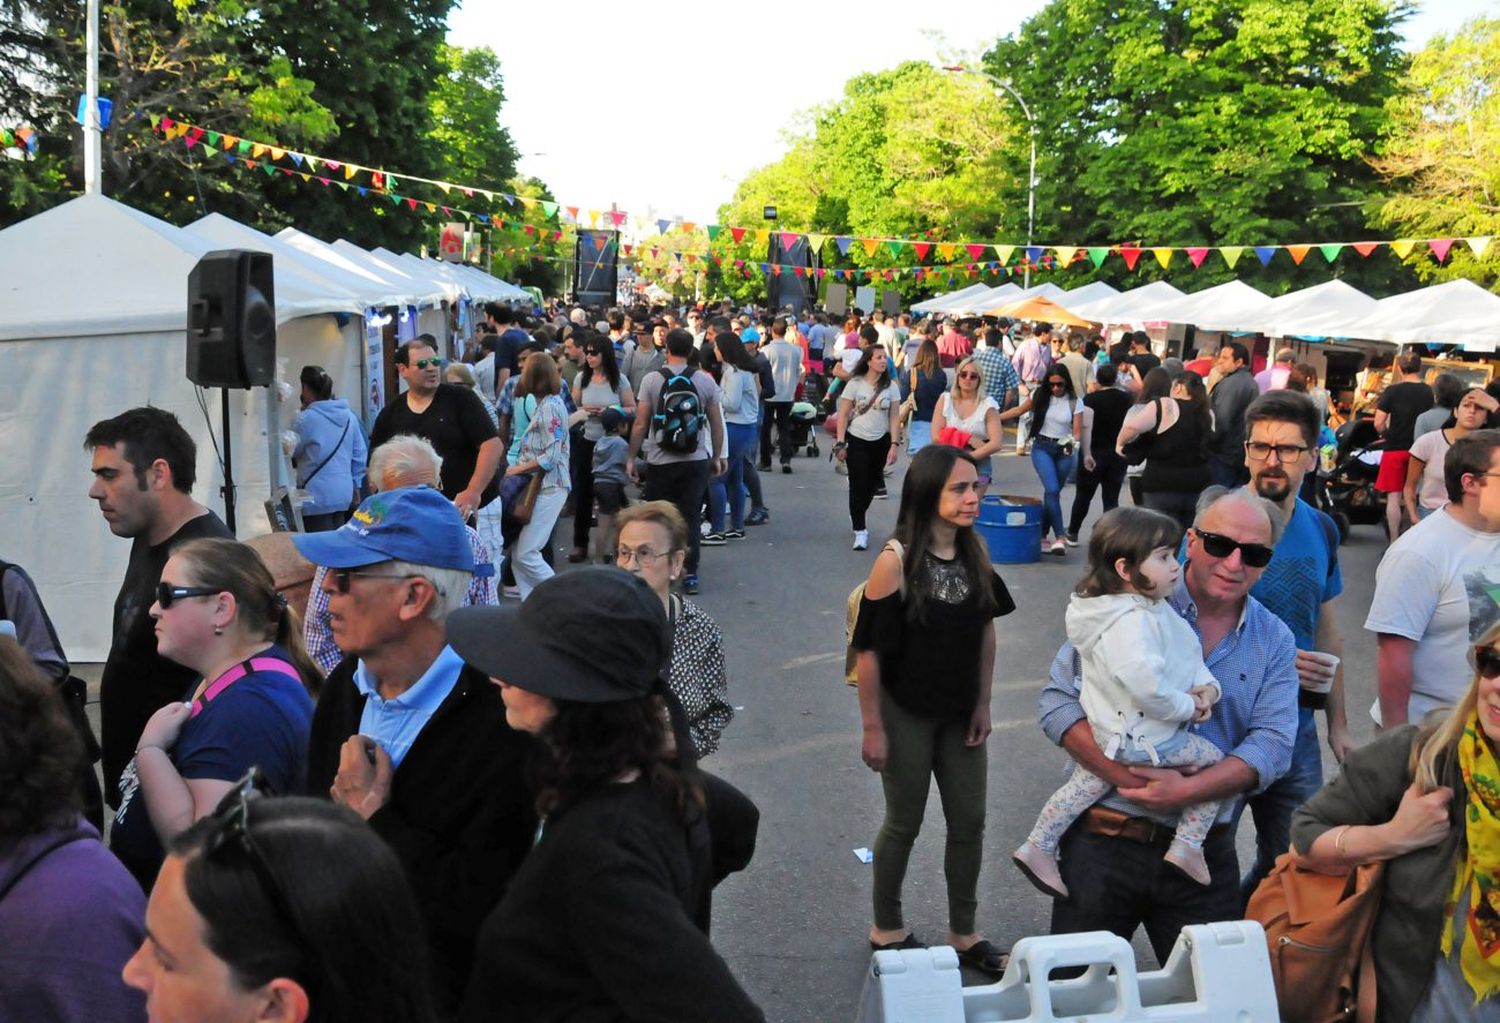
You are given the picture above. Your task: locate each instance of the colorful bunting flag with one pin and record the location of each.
(1478, 245)
(1004, 252)
(1365, 248)
(1098, 254)
(1065, 254)
(1130, 254)
(1163, 256)
(1298, 253)
(870, 244)
(1264, 254)
(843, 242)
(1402, 247)
(789, 239)
(1440, 247)
(1197, 255)
(1330, 251)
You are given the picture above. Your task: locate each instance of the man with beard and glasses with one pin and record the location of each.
(1300, 586)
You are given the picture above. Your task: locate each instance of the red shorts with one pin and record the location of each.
(1392, 478)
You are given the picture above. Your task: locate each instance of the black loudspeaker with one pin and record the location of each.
(231, 336)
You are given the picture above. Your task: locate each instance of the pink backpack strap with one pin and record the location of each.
(270, 665)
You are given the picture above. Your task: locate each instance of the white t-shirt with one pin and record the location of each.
(1439, 585)
(849, 358)
(1432, 489)
(870, 419)
(974, 426)
(1059, 421)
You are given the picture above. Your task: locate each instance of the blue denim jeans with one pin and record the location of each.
(1052, 468)
(731, 485)
(1272, 809)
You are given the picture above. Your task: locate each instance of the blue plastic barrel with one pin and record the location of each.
(1012, 527)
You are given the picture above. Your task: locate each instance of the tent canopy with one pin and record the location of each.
(1457, 312)
(982, 300)
(940, 303)
(1039, 308)
(1323, 310)
(1227, 306)
(302, 289)
(400, 289)
(1092, 292)
(1128, 306)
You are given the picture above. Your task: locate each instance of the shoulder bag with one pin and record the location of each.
(851, 617)
(1318, 930)
(518, 492)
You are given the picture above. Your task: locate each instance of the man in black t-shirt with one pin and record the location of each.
(452, 419)
(1141, 356)
(1109, 405)
(1396, 418)
(144, 464)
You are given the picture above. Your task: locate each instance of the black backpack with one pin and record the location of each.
(679, 416)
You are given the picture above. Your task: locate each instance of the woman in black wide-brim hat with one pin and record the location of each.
(599, 922)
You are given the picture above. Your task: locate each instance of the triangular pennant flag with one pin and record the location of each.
(737, 233)
(662, 225)
(798, 271)
(627, 249)
(1163, 255)
(443, 187)
(1196, 255)
(594, 219)
(895, 248)
(549, 209)
(975, 251)
(306, 177)
(1098, 254)
(572, 212)
(788, 239)
(1298, 252)
(842, 241)
(687, 226)
(1065, 254)
(946, 251)
(921, 249)
(1034, 253)
(349, 171)
(1231, 254)
(257, 150)
(312, 163)
(870, 244)
(815, 242)
(412, 203)
(713, 231)
(214, 137)
(1478, 245)
(431, 207)
(246, 148)
(333, 165)
(1331, 251)
(1365, 248)
(1003, 253)
(1402, 248)
(776, 268)
(230, 141)
(1264, 254)
(296, 158)
(1131, 254)
(277, 154)
(1440, 247)
(167, 123)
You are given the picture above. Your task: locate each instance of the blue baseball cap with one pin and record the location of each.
(415, 524)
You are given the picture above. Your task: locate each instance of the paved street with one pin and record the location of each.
(793, 926)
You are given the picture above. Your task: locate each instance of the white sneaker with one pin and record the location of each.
(861, 539)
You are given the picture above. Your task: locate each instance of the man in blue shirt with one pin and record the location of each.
(1300, 586)
(1111, 860)
(1000, 379)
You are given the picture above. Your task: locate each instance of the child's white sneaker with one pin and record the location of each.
(1189, 860)
(1040, 869)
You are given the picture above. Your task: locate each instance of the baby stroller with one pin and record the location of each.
(804, 418)
(1348, 491)
(814, 386)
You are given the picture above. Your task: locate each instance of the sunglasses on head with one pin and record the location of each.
(230, 837)
(167, 594)
(1255, 555)
(1487, 661)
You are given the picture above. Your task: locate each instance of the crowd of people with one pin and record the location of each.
(429, 778)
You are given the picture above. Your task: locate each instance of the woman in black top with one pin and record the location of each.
(925, 640)
(599, 922)
(1177, 424)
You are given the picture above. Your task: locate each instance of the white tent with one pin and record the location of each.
(1233, 305)
(1128, 306)
(1457, 312)
(1323, 310)
(395, 290)
(1091, 292)
(1047, 290)
(96, 300)
(428, 314)
(986, 299)
(422, 270)
(940, 303)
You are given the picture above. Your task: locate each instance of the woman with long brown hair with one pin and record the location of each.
(218, 612)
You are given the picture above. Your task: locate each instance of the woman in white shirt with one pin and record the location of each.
(966, 407)
(1054, 451)
(1426, 490)
(739, 396)
(869, 419)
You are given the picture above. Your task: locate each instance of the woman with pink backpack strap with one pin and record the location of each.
(218, 612)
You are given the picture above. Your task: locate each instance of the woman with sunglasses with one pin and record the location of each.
(1057, 427)
(1425, 800)
(604, 918)
(70, 915)
(869, 419)
(217, 612)
(286, 910)
(1175, 422)
(1426, 489)
(925, 656)
(653, 545)
(597, 387)
(969, 410)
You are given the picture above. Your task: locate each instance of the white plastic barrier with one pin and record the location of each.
(1217, 973)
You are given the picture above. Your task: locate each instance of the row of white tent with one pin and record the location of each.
(1457, 312)
(95, 300)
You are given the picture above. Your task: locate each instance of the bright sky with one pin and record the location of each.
(664, 106)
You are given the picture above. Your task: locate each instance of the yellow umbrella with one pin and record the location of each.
(1039, 308)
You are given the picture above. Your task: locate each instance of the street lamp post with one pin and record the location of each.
(1031, 177)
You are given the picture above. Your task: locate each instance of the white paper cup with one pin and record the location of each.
(1332, 660)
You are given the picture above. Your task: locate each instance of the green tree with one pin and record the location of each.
(473, 147)
(1237, 122)
(1443, 153)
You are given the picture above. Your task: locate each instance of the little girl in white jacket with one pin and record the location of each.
(1144, 682)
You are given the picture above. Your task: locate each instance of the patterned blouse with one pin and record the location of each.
(546, 442)
(697, 674)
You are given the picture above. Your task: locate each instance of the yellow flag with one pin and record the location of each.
(1402, 247)
(1163, 256)
(947, 249)
(1065, 254)
(1478, 245)
(1002, 252)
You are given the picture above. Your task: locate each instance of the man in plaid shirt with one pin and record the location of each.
(1000, 379)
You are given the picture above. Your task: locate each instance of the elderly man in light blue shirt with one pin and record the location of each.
(1111, 860)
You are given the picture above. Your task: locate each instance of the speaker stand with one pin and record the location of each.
(227, 490)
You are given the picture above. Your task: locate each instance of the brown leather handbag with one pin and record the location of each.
(1318, 929)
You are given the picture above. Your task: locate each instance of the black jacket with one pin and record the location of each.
(460, 815)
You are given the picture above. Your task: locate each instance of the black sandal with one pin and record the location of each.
(986, 958)
(910, 941)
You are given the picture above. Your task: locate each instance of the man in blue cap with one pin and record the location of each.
(405, 733)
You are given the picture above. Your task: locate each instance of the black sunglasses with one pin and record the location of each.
(1487, 661)
(230, 835)
(167, 594)
(1256, 555)
(1059, 383)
